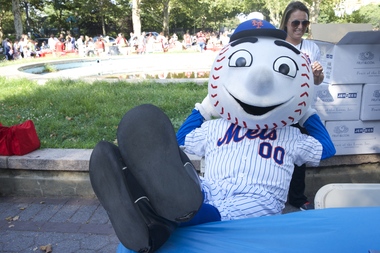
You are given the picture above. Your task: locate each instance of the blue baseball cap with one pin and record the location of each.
(257, 27)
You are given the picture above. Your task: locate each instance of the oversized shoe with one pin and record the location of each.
(149, 147)
(135, 223)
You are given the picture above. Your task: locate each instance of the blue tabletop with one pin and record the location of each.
(325, 230)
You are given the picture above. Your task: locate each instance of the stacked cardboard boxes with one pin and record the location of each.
(349, 99)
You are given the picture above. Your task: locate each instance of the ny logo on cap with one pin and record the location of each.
(257, 23)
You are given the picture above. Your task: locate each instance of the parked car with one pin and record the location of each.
(155, 34)
(40, 40)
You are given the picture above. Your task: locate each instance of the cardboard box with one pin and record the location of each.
(354, 59)
(355, 137)
(335, 32)
(337, 102)
(370, 108)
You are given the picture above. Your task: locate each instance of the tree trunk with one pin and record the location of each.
(314, 11)
(102, 8)
(136, 17)
(27, 16)
(103, 26)
(165, 23)
(276, 8)
(314, 14)
(1, 28)
(17, 18)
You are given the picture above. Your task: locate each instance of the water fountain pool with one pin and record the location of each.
(161, 66)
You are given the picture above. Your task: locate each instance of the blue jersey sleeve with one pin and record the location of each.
(315, 128)
(194, 120)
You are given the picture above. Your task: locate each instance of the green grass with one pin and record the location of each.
(78, 114)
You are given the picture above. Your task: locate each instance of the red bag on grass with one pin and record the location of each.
(18, 139)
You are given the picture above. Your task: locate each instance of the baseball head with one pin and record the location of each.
(260, 81)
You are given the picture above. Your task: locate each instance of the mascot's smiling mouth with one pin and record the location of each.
(256, 110)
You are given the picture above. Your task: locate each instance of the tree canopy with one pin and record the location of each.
(109, 17)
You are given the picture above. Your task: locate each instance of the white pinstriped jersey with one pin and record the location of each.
(248, 172)
(310, 49)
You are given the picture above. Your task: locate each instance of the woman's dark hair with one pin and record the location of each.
(292, 7)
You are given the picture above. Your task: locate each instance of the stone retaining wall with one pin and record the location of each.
(64, 172)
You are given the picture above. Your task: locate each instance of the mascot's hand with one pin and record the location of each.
(206, 109)
(309, 113)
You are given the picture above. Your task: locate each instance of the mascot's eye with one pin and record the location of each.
(285, 66)
(241, 58)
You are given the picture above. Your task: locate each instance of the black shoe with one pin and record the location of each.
(307, 206)
(136, 224)
(110, 186)
(159, 228)
(149, 147)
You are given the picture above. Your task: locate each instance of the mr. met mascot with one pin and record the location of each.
(259, 86)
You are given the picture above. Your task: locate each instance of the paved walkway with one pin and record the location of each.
(67, 224)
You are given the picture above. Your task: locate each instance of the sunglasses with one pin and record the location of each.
(296, 23)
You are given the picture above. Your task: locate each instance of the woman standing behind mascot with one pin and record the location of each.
(295, 22)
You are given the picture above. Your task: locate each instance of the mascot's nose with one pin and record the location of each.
(261, 80)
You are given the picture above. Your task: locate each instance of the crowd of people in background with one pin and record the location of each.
(144, 43)
(26, 47)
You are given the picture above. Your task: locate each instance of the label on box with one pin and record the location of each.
(370, 109)
(337, 102)
(355, 137)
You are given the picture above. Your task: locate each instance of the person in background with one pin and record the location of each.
(60, 47)
(224, 39)
(131, 39)
(81, 46)
(175, 37)
(201, 41)
(23, 45)
(295, 22)
(99, 46)
(68, 44)
(149, 43)
(141, 43)
(31, 45)
(4, 44)
(187, 40)
(51, 43)
(73, 42)
(8, 49)
(16, 50)
(120, 40)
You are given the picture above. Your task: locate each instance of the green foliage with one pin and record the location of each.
(327, 13)
(367, 14)
(48, 68)
(6, 20)
(94, 17)
(77, 114)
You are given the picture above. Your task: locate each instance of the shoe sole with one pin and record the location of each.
(109, 184)
(149, 147)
